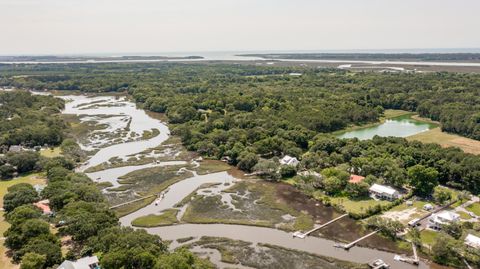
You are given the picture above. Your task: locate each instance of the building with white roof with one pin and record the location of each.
(384, 192)
(288, 160)
(438, 220)
(83, 263)
(472, 241)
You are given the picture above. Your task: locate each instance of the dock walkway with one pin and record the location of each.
(353, 243)
(299, 234)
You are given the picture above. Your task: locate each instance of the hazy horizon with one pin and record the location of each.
(68, 27)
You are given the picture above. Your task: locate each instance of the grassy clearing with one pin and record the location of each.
(428, 237)
(269, 256)
(211, 166)
(168, 217)
(33, 179)
(447, 140)
(255, 203)
(474, 208)
(50, 153)
(464, 215)
(348, 205)
(394, 113)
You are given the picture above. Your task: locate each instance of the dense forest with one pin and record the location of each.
(29, 120)
(391, 160)
(321, 100)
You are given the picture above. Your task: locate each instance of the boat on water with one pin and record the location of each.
(378, 264)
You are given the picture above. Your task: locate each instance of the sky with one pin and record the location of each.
(154, 26)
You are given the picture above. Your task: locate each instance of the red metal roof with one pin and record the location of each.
(44, 207)
(356, 179)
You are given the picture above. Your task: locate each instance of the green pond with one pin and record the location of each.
(402, 126)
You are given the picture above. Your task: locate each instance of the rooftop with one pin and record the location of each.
(383, 189)
(83, 263)
(472, 241)
(44, 206)
(445, 216)
(356, 179)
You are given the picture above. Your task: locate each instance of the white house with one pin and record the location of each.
(83, 263)
(472, 241)
(437, 220)
(384, 192)
(288, 160)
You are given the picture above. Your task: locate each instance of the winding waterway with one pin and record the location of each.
(139, 121)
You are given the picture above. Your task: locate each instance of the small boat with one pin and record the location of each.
(378, 264)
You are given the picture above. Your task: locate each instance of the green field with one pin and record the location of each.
(428, 237)
(436, 135)
(210, 166)
(475, 208)
(348, 205)
(50, 153)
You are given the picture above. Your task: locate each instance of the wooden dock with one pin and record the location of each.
(299, 234)
(351, 244)
(415, 260)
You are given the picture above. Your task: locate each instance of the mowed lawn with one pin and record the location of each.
(428, 237)
(356, 206)
(475, 208)
(50, 153)
(436, 135)
(32, 179)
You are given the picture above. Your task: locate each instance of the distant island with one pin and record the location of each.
(52, 58)
(413, 57)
